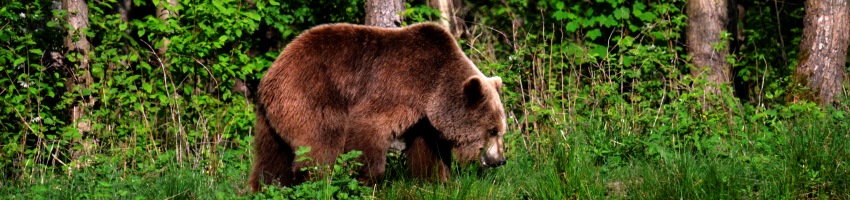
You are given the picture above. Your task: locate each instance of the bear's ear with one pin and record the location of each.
(473, 91)
(497, 83)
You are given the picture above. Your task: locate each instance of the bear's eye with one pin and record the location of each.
(494, 132)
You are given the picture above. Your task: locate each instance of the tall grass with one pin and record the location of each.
(808, 161)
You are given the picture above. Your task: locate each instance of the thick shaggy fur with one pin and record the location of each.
(343, 87)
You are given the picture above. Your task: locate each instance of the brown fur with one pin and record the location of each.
(342, 87)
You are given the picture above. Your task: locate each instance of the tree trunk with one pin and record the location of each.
(823, 49)
(706, 21)
(124, 7)
(384, 13)
(163, 12)
(80, 79)
(449, 15)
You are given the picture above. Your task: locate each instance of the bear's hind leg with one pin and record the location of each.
(325, 143)
(272, 158)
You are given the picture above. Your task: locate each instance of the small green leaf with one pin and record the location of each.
(147, 87)
(572, 26)
(5, 37)
(97, 71)
(19, 61)
(559, 5)
(104, 184)
(627, 61)
(609, 21)
(647, 17)
(599, 51)
(632, 27)
(163, 99)
(593, 34)
(621, 13)
(559, 15)
(639, 7)
(303, 150)
(36, 51)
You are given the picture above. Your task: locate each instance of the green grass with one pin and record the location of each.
(805, 159)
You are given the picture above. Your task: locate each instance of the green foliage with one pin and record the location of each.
(149, 99)
(564, 69)
(31, 87)
(336, 182)
(769, 52)
(616, 76)
(419, 13)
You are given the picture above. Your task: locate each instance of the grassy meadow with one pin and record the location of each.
(801, 158)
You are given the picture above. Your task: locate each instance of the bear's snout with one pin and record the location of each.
(493, 155)
(492, 163)
(500, 162)
(497, 163)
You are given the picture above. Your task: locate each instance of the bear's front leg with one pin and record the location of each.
(374, 144)
(428, 157)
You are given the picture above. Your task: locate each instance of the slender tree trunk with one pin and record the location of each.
(384, 13)
(124, 7)
(81, 79)
(449, 15)
(823, 49)
(163, 12)
(706, 21)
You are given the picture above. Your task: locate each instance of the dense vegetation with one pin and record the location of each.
(599, 94)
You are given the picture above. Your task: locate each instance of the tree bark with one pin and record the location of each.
(80, 79)
(449, 15)
(823, 49)
(706, 21)
(163, 12)
(124, 7)
(384, 13)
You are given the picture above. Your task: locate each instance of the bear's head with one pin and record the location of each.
(474, 121)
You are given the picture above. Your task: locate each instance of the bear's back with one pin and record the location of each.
(341, 64)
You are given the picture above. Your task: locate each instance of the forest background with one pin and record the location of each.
(642, 99)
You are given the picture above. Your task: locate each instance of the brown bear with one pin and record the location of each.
(342, 87)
